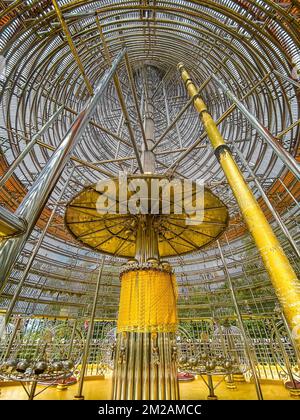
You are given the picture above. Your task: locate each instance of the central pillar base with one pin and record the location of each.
(145, 367)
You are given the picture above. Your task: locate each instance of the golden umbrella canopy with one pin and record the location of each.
(115, 234)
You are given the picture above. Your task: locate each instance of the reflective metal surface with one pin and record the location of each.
(282, 275)
(10, 225)
(32, 205)
(116, 234)
(253, 48)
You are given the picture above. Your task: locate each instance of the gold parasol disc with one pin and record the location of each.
(115, 234)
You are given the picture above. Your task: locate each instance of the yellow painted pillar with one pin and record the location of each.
(282, 275)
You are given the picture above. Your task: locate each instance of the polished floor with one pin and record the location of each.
(100, 389)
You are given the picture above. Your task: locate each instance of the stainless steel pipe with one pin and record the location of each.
(34, 254)
(241, 325)
(275, 214)
(36, 198)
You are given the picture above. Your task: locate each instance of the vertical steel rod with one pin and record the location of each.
(32, 390)
(284, 354)
(72, 338)
(73, 49)
(210, 384)
(135, 98)
(180, 113)
(29, 146)
(225, 114)
(168, 115)
(146, 367)
(131, 366)
(289, 79)
(126, 337)
(289, 193)
(121, 98)
(34, 254)
(12, 338)
(269, 204)
(290, 334)
(282, 274)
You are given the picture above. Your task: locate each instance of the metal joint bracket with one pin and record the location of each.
(202, 112)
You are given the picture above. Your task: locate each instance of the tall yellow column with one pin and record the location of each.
(283, 277)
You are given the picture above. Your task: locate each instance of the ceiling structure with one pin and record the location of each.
(54, 54)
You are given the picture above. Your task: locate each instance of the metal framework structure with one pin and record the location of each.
(53, 56)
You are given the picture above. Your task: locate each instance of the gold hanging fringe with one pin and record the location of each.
(148, 302)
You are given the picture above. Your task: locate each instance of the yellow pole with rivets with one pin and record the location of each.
(282, 275)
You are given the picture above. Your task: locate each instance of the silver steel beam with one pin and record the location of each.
(121, 98)
(195, 145)
(101, 128)
(289, 79)
(168, 115)
(148, 157)
(287, 129)
(29, 146)
(117, 160)
(289, 193)
(86, 350)
(248, 349)
(34, 253)
(72, 46)
(184, 149)
(281, 153)
(10, 224)
(179, 115)
(135, 99)
(274, 213)
(17, 325)
(36, 198)
(77, 160)
(163, 80)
